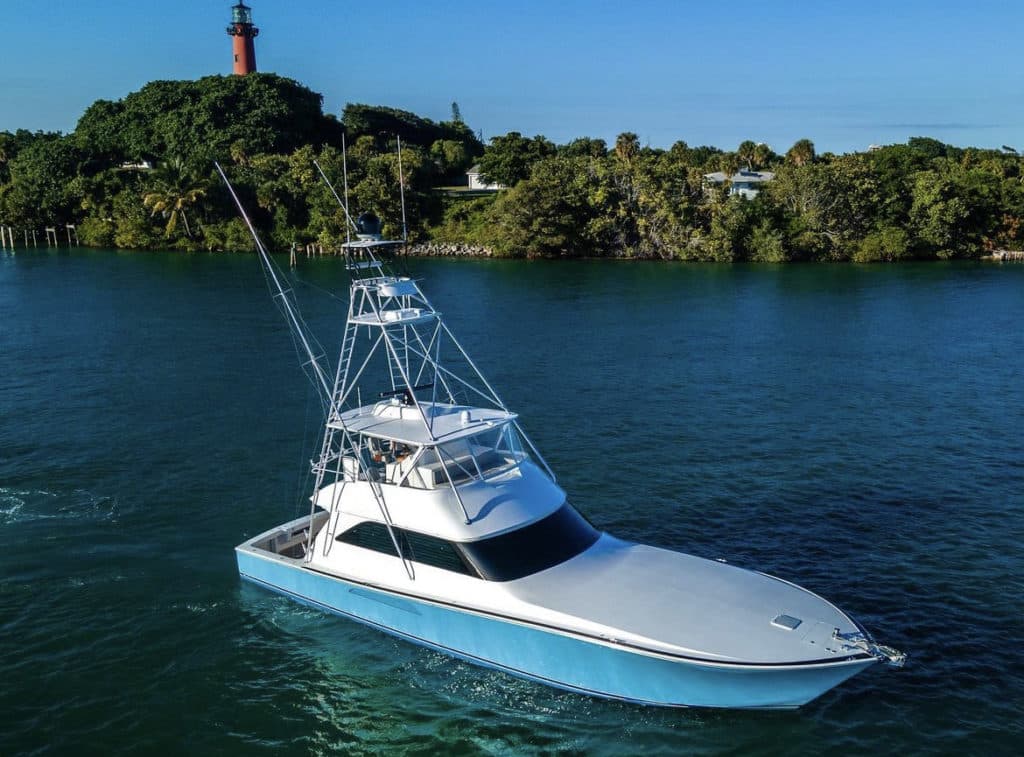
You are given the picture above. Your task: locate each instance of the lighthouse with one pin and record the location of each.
(242, 35)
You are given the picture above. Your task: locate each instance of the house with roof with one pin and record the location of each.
(475, 182)
(744, 182)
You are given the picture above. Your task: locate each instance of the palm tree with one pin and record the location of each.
(762, 155)
(801, 153)
(175, 188)
(747, 152)
(627, 146)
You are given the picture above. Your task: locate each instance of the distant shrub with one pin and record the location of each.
(887, 244)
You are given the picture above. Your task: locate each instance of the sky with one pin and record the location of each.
(843, 74)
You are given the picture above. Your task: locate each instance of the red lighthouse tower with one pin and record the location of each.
(243, 33)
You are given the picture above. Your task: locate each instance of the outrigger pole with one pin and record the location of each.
(284, 298)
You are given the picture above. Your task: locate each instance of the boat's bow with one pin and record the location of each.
(704, 610)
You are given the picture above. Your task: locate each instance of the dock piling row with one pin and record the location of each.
(31, 236)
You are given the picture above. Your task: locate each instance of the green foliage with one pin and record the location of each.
(584, 147)
(199, 121)
(44, 187)
(545, 215)
(507, 160)
(767, 244)
(733, 225)
(801, 153)
(921, 199)
(174, 189)
(889, 244)
(94, 231)
(463, 220)
(451, 158)
(133, 226)
(384, 124)
(954, 210)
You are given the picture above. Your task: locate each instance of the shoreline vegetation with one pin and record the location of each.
(137, 174)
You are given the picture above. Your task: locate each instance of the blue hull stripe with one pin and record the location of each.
(453, 652)
(565, 660)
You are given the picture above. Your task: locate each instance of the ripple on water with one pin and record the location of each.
(855, 430)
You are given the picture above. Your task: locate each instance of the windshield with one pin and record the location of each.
(468, 459)
(533, 548)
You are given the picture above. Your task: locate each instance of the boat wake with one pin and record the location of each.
(18, 506)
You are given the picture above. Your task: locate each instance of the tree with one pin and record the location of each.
(747, 153)
(627, 146)
(954, 210)
(6, 145)
(766, 243)
(44, 183)
(733, 222)
(801, 153)
(450, 157)
(507, 160)
(584, 147)
(456, 113)
(174, 189)
(888, 243)
(200, 120)
(763, 155)
(544, 215)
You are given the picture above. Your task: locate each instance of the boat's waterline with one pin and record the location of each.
(557, 657)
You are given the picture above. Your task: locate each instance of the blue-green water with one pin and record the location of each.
(854, 429)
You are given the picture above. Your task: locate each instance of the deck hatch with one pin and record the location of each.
(787, 622)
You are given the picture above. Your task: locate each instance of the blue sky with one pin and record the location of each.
(844, 74)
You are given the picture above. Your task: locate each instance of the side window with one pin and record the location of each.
(420, 548)
(371, 535)
(432, 551)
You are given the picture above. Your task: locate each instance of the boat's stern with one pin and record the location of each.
(290, 541)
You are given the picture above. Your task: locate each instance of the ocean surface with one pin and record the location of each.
(856, 429)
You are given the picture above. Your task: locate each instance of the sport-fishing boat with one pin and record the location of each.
(435, 519)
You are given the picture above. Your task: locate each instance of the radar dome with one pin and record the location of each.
(368, 223)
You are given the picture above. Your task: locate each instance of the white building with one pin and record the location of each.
(475, 182)
(743, 182)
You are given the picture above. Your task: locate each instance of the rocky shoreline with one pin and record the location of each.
(448, 250)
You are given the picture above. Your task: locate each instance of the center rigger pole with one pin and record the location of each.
(401, 194)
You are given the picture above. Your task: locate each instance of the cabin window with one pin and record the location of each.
(369, 535)
(541, 545)
(428, 550)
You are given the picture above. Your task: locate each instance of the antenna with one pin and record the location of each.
(344, 173)
(401, 191)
